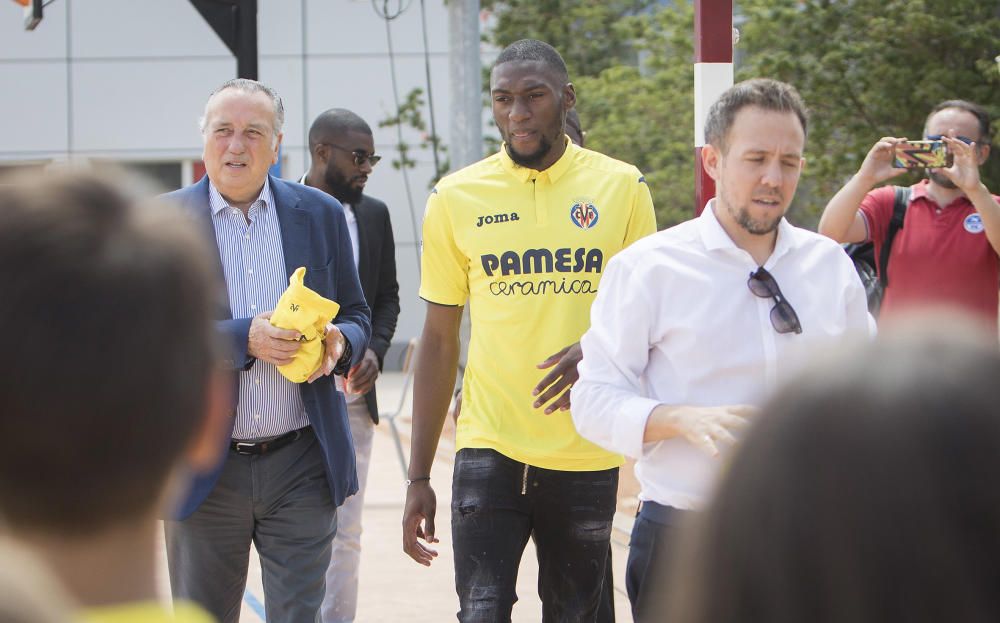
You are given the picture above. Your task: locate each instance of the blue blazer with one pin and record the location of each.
(313, 234)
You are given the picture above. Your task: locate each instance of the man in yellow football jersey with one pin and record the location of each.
(524, 236)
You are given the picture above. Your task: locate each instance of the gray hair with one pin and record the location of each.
(251, 86)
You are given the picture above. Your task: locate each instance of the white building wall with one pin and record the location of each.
(126, 80)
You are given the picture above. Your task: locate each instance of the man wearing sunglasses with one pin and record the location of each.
(690, 327)
(343, 154)
(946, 251)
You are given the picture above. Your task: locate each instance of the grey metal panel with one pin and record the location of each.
(363, 84)
(279, 27)
(294, 164)
(284, 74)
(131, 105)
(33, 113)
(141, 29)
(353, 27)
(47, 41)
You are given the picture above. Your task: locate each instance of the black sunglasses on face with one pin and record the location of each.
(783, 317)
(359, 156)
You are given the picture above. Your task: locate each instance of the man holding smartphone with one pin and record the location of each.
(946, 251)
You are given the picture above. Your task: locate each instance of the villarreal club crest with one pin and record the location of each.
(583, 213)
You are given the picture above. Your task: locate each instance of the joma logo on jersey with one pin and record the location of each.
(544, 261)
(497, 218)
(583, 214)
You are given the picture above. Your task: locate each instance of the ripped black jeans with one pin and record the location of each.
(497, 503)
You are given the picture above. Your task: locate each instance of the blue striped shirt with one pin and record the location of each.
(254, 267)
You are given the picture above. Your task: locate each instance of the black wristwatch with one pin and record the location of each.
(344, 363)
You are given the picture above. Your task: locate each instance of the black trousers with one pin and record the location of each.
(497, 504)
(650, 549)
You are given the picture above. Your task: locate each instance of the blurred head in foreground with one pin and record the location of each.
(109, 387)
(866, 493)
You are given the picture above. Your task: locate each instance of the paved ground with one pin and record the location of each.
(393, 587)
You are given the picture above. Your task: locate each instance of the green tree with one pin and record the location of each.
(645, 114)
(410, 115)
(591, 35)
(872, 68)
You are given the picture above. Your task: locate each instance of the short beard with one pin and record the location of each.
(752, 225)
(941, 180)
(341, 187)
(530, 161)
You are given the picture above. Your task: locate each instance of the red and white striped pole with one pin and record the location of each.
(713, 74)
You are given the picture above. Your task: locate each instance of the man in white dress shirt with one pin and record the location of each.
(690, 327)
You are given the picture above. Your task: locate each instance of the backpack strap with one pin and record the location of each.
(895, 224)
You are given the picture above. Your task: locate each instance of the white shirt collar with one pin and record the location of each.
(714, 237)
(218, 203)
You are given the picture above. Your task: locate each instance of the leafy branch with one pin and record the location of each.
(411, 116)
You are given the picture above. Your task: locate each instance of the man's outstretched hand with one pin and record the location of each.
(421, 506)
(557, 383)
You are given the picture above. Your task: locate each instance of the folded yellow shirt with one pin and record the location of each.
(307, 312)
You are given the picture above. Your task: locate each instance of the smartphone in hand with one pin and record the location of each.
(922, 155)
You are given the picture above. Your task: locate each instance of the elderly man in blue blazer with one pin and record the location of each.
(290, 460)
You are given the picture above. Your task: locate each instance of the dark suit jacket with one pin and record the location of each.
(313, 234)
(377, 271)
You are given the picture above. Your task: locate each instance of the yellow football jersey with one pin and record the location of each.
(527, 249)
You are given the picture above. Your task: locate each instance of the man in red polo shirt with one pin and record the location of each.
(946, 252)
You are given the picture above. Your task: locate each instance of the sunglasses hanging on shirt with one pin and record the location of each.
(783, 316)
